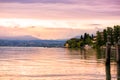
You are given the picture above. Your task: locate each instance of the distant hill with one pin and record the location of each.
(19, 38)
(29, 41)
(78, 37)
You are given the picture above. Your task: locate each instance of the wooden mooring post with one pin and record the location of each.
(118, 71)
(118, 51)
(108, 72)
(108, 51)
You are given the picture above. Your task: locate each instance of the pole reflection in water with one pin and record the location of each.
(83, 53)
(108, 74)
(118, 71)
(100, 53)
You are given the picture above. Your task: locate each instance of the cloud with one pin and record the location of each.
(60, 9)
(43, 33)
(36, 1)
(9, 31)
(81, 2)
(85, 15)
(94, 24)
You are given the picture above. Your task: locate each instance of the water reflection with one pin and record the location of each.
(82, 54)
(53, 64)
(100, 53)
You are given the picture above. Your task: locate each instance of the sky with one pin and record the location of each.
(57, 19)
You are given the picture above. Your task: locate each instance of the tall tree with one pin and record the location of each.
(110, 33)
(116, 33)
(99, 41)
(105, 36)
(81, 37)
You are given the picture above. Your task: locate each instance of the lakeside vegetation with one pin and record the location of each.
(85, 39)
(97, 40)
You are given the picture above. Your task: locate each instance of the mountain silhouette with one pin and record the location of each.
(26, 37)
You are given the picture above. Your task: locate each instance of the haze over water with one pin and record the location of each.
(36, 63)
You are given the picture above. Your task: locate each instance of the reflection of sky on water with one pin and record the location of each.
(51, 64)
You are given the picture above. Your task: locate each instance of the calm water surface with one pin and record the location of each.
(34, 63)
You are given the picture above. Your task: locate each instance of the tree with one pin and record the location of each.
(110, 33)
(99, 41)
(92, 36)
(101, 38)
(116, 33)
(104, 36)
(81, 37)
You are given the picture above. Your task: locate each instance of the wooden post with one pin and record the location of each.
(108, 72)
(118, 58)
(118, 71)
(118, 51)
(108, 50)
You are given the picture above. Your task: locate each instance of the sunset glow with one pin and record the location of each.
(52, 19)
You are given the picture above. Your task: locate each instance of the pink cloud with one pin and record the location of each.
(43, 33)
(60, 9)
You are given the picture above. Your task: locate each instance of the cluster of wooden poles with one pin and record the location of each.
(108, 51)
(107, 59)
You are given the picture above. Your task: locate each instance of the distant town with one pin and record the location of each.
(33, 43)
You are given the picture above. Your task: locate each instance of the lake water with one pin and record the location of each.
(35, 63)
